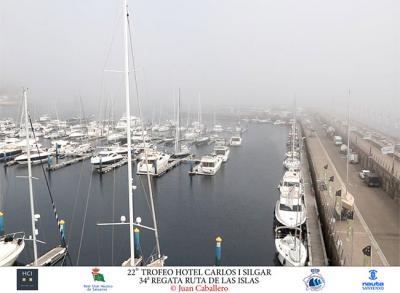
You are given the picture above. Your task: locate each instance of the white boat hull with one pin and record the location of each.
(9, 252)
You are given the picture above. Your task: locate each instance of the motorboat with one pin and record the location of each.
(235, 141)
(222, 152)
(11, 246)
(182, 152)
(292, 154)
(291, 180)
(292, 163)
(154, 162)
(117, 136)
(290, 247)
(202, 140)
(37, 157)
(105, 158)
(209, 165)
(9, 151)
(290, 210)
(217, 128)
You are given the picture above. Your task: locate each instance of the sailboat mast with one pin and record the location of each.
(178, 126)
(128, 132)
(28, 150)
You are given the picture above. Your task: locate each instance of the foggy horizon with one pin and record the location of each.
(232, 53)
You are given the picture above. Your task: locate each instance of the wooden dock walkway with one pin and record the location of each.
(67, 163)
(51, 257)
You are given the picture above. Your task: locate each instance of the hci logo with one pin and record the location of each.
(315, 281)
(27, 279)
(377, 285)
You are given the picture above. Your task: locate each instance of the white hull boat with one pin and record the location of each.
(156, 163)
(11, 247)
(222, 152)
(209, 165)
(290, 248)
(36, 158)
(105, 158)
(235, 141)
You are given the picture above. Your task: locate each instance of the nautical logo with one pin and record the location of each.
(99, 283)
(97, 277)
(376, 285)
(372, 275)
(315, 281)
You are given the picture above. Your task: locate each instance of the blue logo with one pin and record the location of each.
(377, 285)
(315, 281)
(372, 275)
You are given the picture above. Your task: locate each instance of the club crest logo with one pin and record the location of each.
(315, 281)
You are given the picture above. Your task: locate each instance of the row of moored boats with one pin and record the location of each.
(290, 209)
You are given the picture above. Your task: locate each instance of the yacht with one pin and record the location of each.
(218, 128)
(235, 141)
(182, 152)
(37, 157)
(292, 163)
(290, 247)
(222, 152)
(9, 151)
(292, 154)
(209, 165)
(11, 246)
(202, 140)
(154, 162)
(123, 122)
(105, 158)
(290, 210)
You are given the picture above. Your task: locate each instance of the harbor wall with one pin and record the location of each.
(332, 252)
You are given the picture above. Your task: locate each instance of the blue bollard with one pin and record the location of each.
(218, 251)
(1, 224)
(49, 161)
(62, 231)
(136, 238)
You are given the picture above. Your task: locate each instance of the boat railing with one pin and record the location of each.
(14, 235)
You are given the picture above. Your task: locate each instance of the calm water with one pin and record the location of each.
(237, 203)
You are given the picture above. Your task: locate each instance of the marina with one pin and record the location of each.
(307, 227)
(227, 152)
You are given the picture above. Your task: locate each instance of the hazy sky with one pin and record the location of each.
(234, 52)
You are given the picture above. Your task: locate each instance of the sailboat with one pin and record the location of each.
(157, 259)
(59, 252)
(180, 151)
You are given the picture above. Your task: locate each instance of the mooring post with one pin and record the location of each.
(218, 251)
(1, 224)
(136, 236)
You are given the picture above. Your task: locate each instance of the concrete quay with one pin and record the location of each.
(376, 216)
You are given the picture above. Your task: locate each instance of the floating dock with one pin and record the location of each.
(67, 163)
(111, 167)
(172, 163)
(51, 257)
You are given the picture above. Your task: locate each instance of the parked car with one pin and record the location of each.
(363, 173)
(372, 180)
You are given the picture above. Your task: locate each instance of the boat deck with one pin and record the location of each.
(51, 257)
